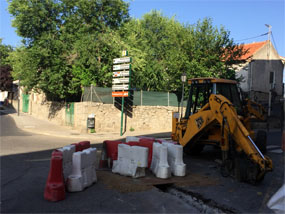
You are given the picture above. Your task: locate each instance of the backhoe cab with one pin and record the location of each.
(217, 115)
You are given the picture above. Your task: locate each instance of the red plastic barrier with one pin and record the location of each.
(55, 188)
(112, 149)
(133, 143)
(84, 145)
(158, 141)
(81, 146)
(146, 138)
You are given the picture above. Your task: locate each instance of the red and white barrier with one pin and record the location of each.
(55, 188)
(111, 147)
(82, 146)
(159, 165)
(132, 161)
(166, 159)
(61, 166)
(83, 170)
(175, 159)
(67, 152)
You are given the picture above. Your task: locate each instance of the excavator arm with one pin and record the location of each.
(220, 110)
(254, 109)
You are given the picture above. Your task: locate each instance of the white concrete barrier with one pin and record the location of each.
(175, 159)
(67, 152)
(159, 164)
(132, 161)
(166, 141)
(132, 138)
(83, 170)
(277, 201)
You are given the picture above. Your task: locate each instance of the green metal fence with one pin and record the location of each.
(69, 114)
(139, 98)
(25, 107)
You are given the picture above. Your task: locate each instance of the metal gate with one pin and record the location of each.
(69, 114)
(25, 107)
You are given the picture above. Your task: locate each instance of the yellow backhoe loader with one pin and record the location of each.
(216, 115)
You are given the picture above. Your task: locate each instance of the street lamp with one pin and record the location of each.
(183, 80)
(271, 84)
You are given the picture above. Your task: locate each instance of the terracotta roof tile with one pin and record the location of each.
(252, 49)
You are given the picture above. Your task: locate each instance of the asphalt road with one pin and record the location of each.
(24, 169)
(25, 164)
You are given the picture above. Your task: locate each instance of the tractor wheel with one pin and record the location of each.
(261, 141)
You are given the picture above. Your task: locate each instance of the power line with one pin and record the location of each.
(264, 34)
(274, 42)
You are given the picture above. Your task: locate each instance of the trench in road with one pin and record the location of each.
(204, 205)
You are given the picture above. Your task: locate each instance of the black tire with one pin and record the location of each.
(261, 141)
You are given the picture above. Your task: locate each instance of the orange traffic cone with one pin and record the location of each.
(55, 188)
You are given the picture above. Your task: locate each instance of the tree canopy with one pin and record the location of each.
(5, 68)
(72, 43)
(163, 49)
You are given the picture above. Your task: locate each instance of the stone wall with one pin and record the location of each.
(107, 117)
(42, 109)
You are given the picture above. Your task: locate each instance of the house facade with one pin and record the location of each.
(261, 71)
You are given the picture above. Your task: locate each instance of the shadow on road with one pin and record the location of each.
(9, 127)
(23, 179)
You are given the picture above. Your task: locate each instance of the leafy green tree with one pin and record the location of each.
(71, 43)
(5, 68)
(24, 64)
(163, 49)
(33, 18)
(214, 51)
(94, 58)
(156, 42)
(5, 78)
(65, 42)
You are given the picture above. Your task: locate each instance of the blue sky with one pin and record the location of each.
(243, 18)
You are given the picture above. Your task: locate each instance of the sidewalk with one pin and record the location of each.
(31, 124)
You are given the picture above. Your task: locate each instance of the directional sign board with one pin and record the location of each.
(120, 94)
(122, 60)
(121, 73)
(120, 87)
(120, 80)
(121, 67)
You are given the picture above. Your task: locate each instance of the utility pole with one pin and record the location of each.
(19, 97)
(268, 58)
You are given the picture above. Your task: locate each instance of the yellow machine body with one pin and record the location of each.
(215, 115)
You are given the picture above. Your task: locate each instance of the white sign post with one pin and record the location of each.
(121, 80)
(121, 73)
(121, 67)
(122, 60)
